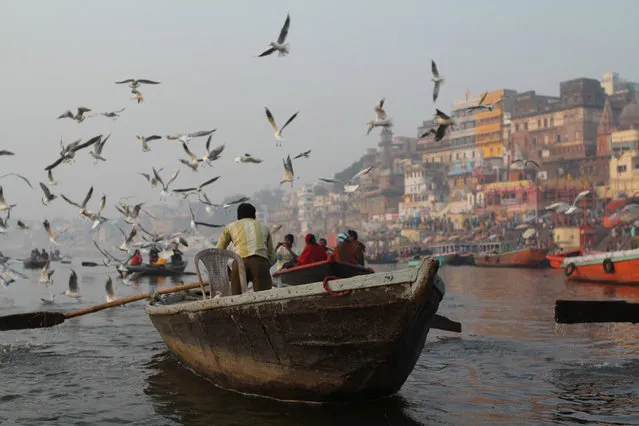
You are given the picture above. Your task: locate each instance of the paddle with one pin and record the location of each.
(91, 264)
(49, 319)
(442, 323)
(585, 311)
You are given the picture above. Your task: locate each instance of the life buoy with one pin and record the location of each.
(569, 269)
(608, 266)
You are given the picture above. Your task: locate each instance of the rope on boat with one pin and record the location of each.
(331, 292)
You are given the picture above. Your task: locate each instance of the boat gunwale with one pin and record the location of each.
(597, 259)
(330, 260)
(410, 276)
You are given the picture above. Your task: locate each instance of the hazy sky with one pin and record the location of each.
(345, 55)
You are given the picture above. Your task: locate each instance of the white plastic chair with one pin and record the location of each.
(216, 262)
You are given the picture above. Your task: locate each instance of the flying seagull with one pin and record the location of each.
(48, 196)
(145, 141)
(134, 83)
(480, 105)
(304, 154)
(280, 46)
(3, 203)
(186, 137)
(83, 206)
(195, 190)
(195, 223)
(194, 162)
(52, 181)
(277, 132)
(96, 152)
(79, 116)
(289, 175)
(18, 176)
(45, 274)
(574, 207)
(137, 96)
(247, 158)
(74, 289)
(67, 153)
(53, 237)
(113, 114)
(381, 119)
(525, 162)
(349, 185)
(443, 121)
(437, 80)
(212, 154)
(5, 152)
(21, 225)
(165, 187)
(110, 291)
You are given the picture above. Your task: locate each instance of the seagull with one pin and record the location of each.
(443, 121)
(96, 152)
(128, 239)
(275, 228)
(165, 188)
(381, 120)
(280, 46)
(74, 289)
(113, 114)
(45, 274)
(3, 203)
(5, 152)
(50, 301)
(277, 132)
(109, 259)
(145, 141)
(525, 162)
(212, 154)
(134, 83)
(573, 208)
(20, 224)
(193, 164)
(137, 96)
(48, 196)
(110, 291)
(194, 223)
(150, 179)
(304, 154)
(79, 116)
(4, 224)
(67, 153)
(18, 176)
(248, 158)
(130, 214)
(195, 190)
(437, 80)
(82, 206)
(349, 185)
(52, 181)
(288, 171)
(186, 137)
(53, 237)
(209, 205)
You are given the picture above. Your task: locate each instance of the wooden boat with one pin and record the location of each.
(157, 270)
(523, 258)
(316, 272)
(620, 267)
(34, 263)
(305, 343)
(382, 261)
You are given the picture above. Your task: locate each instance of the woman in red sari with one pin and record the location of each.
(312, 252)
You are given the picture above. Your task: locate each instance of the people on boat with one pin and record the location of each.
(313, 252)
(35, 254)
(160, 261)
(345, 250)
(324, 244)
(252, 241)
(176, 258)
(360, 249)
(286, 257)
(136, 259)
(44, 254)
(153, 255)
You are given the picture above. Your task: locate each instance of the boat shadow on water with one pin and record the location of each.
(186, 398)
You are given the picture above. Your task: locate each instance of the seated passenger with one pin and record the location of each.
(312, 252)
(136, 259)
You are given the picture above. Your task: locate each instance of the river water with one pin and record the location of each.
(511, 365)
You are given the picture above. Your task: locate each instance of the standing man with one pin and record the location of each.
(253, 243)
(360, 248)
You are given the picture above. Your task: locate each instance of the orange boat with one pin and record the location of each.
(621, 267)
(523, 258)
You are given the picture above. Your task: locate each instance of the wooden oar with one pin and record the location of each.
(442, 323)
(584, 311)
(49, 319)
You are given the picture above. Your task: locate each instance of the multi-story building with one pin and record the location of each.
(305, 208)
(624, 161)
(415, 182)
(490, 124)
(613, 84)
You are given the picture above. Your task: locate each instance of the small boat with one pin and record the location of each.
(523, 258)
(619, 267)
(345, 340)
(316, 272)
(382, 261)
(34, 263)
(157, 270)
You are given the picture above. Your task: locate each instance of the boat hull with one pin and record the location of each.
(33, 263)
(316, 272)
(156, 271)
(381, 261)
(304, 344)
(525, 258)
(556, 260)
(625, 268)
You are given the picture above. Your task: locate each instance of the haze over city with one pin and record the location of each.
(344, 57)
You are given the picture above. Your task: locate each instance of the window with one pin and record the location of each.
(577, 135)
(534, 141)
(516, 127)
(457, 156)
(545, 122)
(538, 124)
(621, 169)
(557, 138)
(565, 137)
(546, 139)
(525, 126)
(524, 197)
